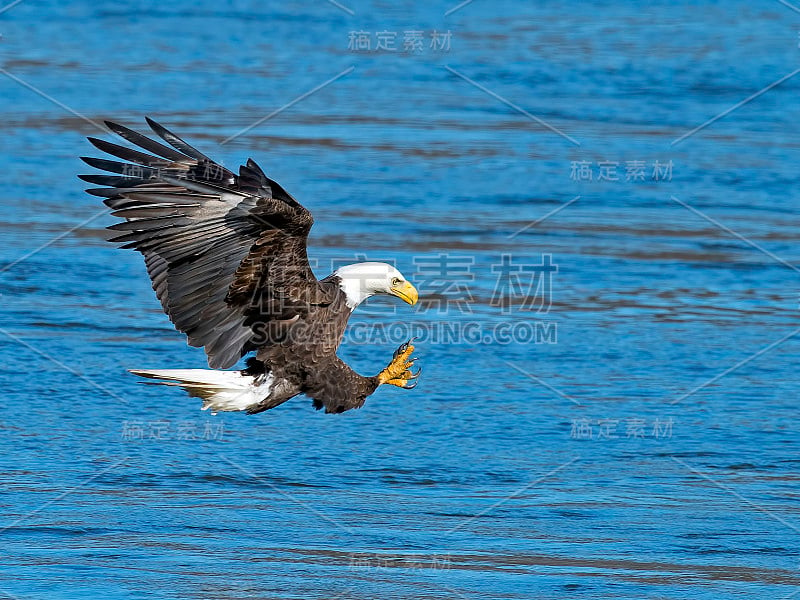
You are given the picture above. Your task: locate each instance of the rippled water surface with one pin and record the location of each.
(645, 447)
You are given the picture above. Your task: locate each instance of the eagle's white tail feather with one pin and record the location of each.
(220, 390)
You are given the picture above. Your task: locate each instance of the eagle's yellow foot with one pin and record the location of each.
(399, 370)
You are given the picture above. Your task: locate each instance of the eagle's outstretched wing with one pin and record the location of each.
(225, 251)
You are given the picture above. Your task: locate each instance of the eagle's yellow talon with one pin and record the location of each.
(399, 370)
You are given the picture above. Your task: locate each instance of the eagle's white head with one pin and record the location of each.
(362, 280)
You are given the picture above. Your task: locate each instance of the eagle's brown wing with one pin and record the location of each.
(225, 251)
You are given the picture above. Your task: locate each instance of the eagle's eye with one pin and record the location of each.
(395, 281)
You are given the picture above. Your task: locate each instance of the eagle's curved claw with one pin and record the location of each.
(403, 347)
(399, 372)
(408, 380)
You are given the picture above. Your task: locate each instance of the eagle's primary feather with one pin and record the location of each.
(226, 254)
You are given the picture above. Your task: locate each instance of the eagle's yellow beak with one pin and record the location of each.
(406, 292)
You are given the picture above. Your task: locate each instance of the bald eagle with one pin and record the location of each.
(226, 254)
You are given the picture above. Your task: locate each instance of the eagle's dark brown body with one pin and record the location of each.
(320, 374)
(226, 253)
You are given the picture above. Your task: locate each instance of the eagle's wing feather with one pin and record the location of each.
(224, 251)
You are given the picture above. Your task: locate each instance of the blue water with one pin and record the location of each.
(645, 445)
